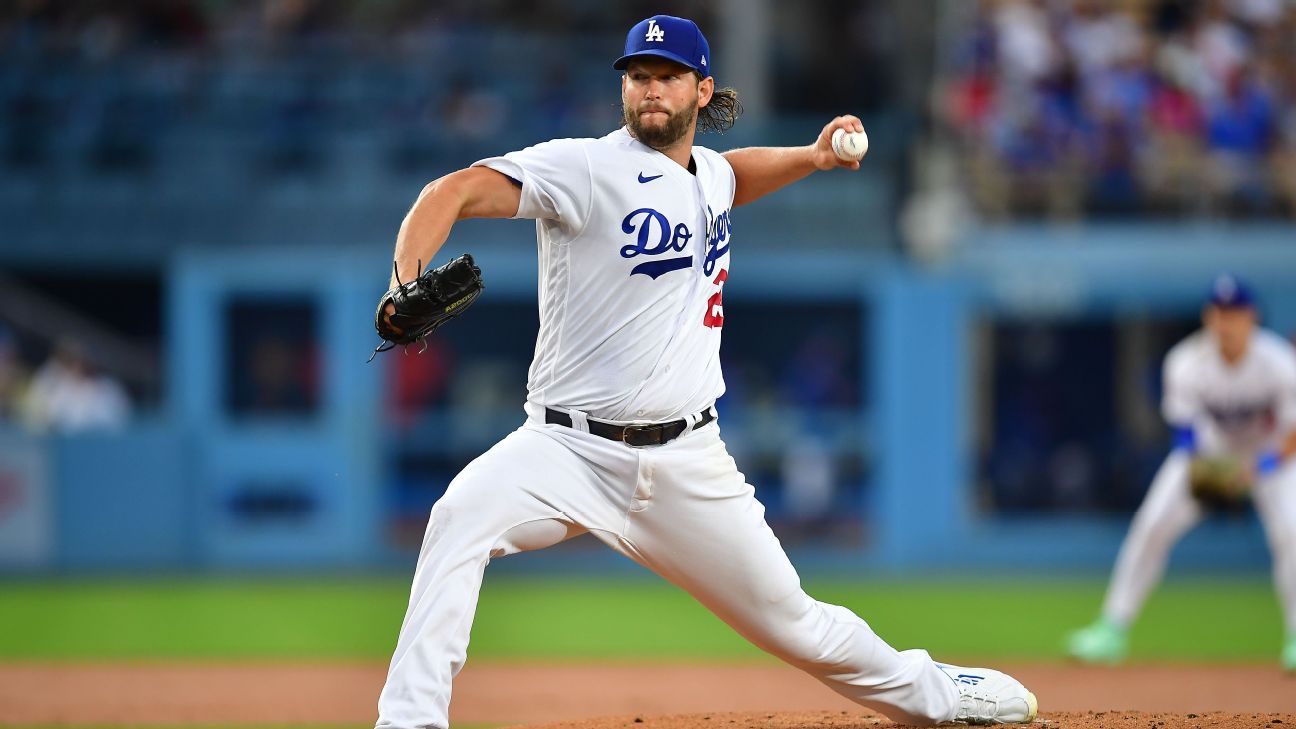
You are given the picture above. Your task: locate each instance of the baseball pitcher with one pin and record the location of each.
(621, 439)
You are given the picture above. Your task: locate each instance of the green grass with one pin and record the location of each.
(571, 619)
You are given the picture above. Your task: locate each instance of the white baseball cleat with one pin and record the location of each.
(990, 697)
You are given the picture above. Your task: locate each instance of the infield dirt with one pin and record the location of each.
(662, 696)
(857, 720)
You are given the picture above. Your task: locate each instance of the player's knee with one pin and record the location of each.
(812, 635)
(479, 490)
(1155, 535)
(462, 509)
(839, 632)
(816, 654)
(797, 647)
(482, 514)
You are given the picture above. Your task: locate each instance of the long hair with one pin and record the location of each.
(721, 112)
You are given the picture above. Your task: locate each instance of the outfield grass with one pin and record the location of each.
(570, 619)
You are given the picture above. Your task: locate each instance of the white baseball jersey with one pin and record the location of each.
(634, 251)
(1241, 408)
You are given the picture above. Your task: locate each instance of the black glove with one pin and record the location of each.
(425, 303)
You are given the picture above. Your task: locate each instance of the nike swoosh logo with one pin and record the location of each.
(647, 179)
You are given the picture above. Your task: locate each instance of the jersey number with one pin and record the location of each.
(715, 305)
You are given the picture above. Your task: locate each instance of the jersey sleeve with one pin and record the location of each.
(555, 177)
(733, 181)
(724, 171)
(1180, 405)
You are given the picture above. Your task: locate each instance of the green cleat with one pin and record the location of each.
(1102, 642)
(1289, 655)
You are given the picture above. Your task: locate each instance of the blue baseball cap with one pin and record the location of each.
(667, 36)
(1230, 292)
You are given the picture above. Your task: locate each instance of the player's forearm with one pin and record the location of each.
(475, 192)
(426, 227)
(758, 171)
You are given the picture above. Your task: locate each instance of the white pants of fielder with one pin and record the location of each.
(682, 510)
(1169, 511)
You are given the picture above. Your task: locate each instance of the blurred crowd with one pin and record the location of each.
(284, 84)
(1126, 107)
(298, 84)
(65, 393)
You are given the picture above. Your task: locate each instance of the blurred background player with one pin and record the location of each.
(1230, 398)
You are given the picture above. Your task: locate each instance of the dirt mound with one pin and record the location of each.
(765, 695)
(863, 720)
(730, 720)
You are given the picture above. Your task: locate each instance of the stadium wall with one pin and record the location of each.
(197, 489)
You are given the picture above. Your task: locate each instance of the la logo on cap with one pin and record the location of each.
(654, 33)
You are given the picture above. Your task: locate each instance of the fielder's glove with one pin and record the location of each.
(427, 302)
(1220, 482)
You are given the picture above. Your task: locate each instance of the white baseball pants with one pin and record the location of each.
(1169, 511)
(682, 510)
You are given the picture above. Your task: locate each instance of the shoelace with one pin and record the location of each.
(975, 707)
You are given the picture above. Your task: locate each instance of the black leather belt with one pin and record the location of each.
(635, 435)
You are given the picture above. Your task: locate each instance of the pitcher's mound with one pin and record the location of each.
(863, 720)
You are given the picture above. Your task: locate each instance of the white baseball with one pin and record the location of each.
(849, 146)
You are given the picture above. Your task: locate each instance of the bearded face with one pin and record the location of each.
(655, 126)
(660, 100)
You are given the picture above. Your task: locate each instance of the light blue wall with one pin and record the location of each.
(157, 497)
(125, 500)
(332, 461)
(1025, 272)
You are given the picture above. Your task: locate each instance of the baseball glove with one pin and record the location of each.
(425, 303)
(1219, 482)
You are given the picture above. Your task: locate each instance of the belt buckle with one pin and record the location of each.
(639, 426)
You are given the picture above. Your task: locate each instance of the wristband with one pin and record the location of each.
(1185, 438)
(1267, 462)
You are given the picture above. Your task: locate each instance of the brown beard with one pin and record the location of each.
(660, 137)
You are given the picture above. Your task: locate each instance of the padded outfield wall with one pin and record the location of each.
(205, 484)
